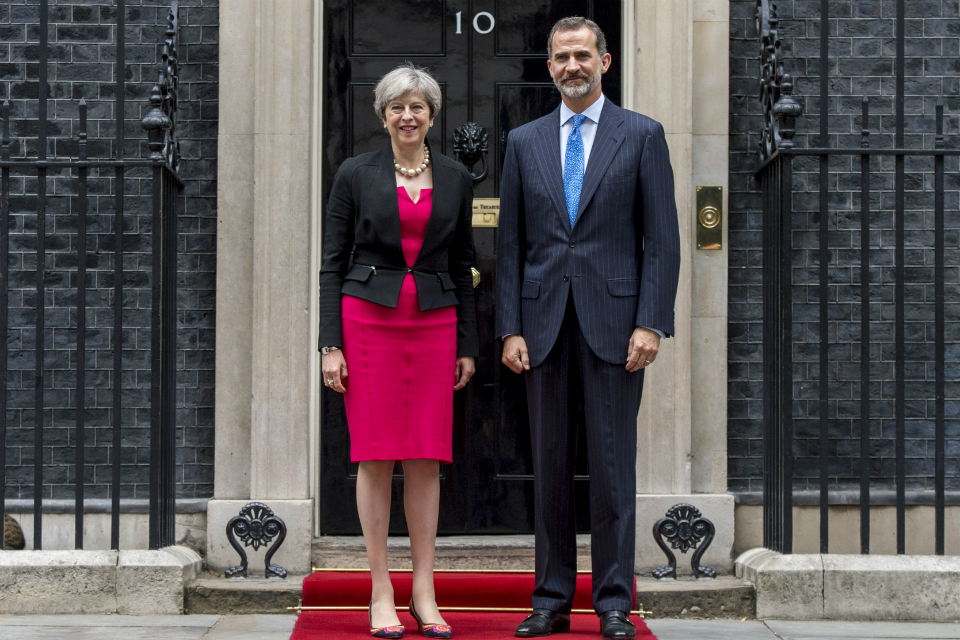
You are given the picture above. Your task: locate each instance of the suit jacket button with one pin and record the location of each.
(573, 244)
(565, 278)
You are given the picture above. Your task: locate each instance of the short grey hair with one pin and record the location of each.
(407, 78)
(574, 23)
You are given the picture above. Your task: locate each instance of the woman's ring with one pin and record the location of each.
(649, 361)
(330, 383)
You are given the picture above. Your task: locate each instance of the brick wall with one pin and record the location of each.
(82, 54)
(862, 62)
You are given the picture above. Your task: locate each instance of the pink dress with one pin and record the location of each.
(401, 363)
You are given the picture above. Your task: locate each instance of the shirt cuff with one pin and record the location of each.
(657, 331)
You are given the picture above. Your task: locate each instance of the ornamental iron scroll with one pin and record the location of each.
(161, 121)
(256, 526)
(780, 109)
(470, 145)
(684, 528)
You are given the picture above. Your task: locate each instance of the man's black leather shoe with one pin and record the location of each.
(616, 624)
(543, 622)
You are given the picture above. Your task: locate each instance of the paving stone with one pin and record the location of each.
(108, 621)
(791, 629)
(257, 627)
(99, 627)
(712, 629)
(112, 633)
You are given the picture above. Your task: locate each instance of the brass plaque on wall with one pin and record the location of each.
(709, 217)
(486, 212)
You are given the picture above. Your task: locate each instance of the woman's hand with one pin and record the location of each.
(465, 370)
(334, 369)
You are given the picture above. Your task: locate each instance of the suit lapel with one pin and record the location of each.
(548, 159)
(608, 139)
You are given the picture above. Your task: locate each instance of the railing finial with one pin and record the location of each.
(162, 131)
(780, 109)
(786, 111)
(157, 124)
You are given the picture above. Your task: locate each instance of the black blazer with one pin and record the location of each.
(363, 216)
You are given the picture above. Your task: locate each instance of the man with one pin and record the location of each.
(589, 259)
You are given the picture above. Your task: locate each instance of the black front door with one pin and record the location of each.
(490, 59)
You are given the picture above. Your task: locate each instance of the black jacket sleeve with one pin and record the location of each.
(337, 245)
(461, 256)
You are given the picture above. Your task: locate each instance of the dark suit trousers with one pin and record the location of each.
(572, 374)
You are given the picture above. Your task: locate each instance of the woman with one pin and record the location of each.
(402, 321)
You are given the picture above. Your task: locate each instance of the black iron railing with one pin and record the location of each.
(776, 175)
(160, 124)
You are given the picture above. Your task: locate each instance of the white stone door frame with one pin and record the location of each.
(316, 243)
(628, 79)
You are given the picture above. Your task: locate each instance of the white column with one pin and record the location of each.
(266, 283)
(279, 430)
(711, 91)
(234, 254)
(677, 74)
(663, 91)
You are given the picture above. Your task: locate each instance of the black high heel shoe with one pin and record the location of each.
(393, 631)
(430, 630)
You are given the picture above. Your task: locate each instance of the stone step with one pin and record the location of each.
(452, 552)
(724, 597)
(210, 594)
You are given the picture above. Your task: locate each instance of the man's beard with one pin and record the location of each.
(579, 90)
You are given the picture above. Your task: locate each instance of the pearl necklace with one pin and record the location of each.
(418, 170)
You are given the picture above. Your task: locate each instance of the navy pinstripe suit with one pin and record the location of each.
(576, 295)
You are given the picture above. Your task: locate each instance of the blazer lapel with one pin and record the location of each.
(386, 186)
(443, 203)
(608, 139)
(548, 159)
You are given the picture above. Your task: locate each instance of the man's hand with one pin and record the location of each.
(515, 354)
(643, 349)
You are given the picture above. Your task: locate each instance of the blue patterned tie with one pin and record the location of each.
(573, 169)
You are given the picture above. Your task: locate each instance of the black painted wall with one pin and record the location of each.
(82, 53)
(862, 57)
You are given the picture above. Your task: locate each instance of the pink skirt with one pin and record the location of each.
(401, 365)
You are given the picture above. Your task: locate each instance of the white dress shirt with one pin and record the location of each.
(588, 131)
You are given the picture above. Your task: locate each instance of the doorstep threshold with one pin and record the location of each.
(485, 552)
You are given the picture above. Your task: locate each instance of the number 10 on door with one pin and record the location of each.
(476, 22)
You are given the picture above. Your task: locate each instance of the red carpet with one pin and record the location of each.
(513, 590)
(353, 625)
(454, 589)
